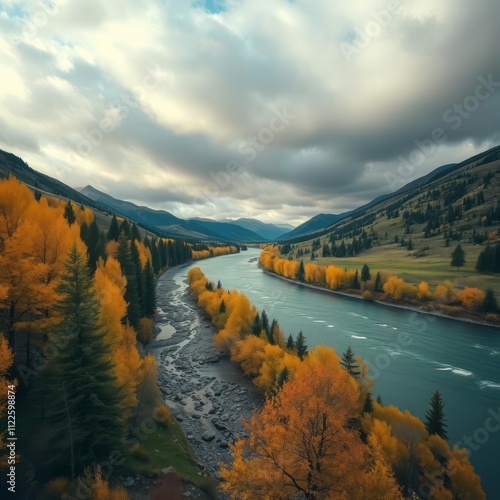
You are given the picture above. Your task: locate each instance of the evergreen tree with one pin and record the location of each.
(378, 280)
(410, 245)
(300, 345)
(379, 400)
(368, 405)
(85, 397)
(134, 254)
(129, 271)
(282, 377)
(257, 324)
(114, 230)
(219, 286)
(134, 233)
(457, 257)
(348, 361)
(301, 272)
(222, 308)
(355, 281)
(125, 227)
(290, 343)
(265, 323)
(270, 335)
(489, 304)
(434, 422)
(365, 273)
(69, 213)
(149, 295)
(96, 246)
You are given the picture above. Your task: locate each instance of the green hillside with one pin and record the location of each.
(460, 206)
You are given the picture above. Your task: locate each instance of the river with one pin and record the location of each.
(410, 354)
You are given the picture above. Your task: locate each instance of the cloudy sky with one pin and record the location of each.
(275, 109)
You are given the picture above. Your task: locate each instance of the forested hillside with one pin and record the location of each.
(414, 234)
(77, 303)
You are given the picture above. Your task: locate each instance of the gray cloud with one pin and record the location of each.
(186, 92)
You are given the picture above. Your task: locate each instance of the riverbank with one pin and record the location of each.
(207, 393)
(381, 302)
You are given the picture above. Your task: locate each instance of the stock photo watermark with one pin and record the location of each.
(249, 149)
(454, 117)
(363, 36)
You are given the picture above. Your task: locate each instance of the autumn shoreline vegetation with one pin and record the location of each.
(468, 304)
(77, 303)
(320, 434)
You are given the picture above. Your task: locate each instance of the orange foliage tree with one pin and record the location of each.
(300, 445)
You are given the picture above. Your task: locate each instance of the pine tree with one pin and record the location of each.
(355, 281)
(134, 254)
(270, 336)
(95, 244)
(222, 307)
(114, 230)
(348, 361)
(410, 245)
(257, 324)
(85, 396)
(378, 279)
(368, 405)
(125, 227)
(69, 213)
(129, 271)
(300, 345)
(134, 233)
(457, 257)
(365, 273)
(265, 323)
(290, 343)
(489, 304)
(301, 272)
(149, 295)
(282, 377)
(435, 416)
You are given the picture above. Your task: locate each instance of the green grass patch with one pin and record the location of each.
(157, 445)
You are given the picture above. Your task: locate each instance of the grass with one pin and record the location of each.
(163, 444)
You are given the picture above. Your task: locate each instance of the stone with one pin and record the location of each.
(208, 436)
(128, 482)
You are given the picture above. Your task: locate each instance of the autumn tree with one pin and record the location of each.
(435, 420)
(457, 257)
(299, 445)
(85, 396)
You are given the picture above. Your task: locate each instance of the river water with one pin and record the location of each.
(410, 354)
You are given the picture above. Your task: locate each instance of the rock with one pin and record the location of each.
(208, 436)
(223, 445)
(224, 417)
(128, 482)
(196, 416)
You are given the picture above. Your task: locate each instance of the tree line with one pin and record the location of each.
(73, 303)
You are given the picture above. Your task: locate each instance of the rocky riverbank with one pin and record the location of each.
(207, 393)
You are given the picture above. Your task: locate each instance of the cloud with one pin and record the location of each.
(245, 108)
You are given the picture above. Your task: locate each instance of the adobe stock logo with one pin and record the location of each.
(454, 116)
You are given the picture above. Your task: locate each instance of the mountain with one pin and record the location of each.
(200, 229)
(318, 222)
(268, 232)
(455, 202)
(12, 164)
